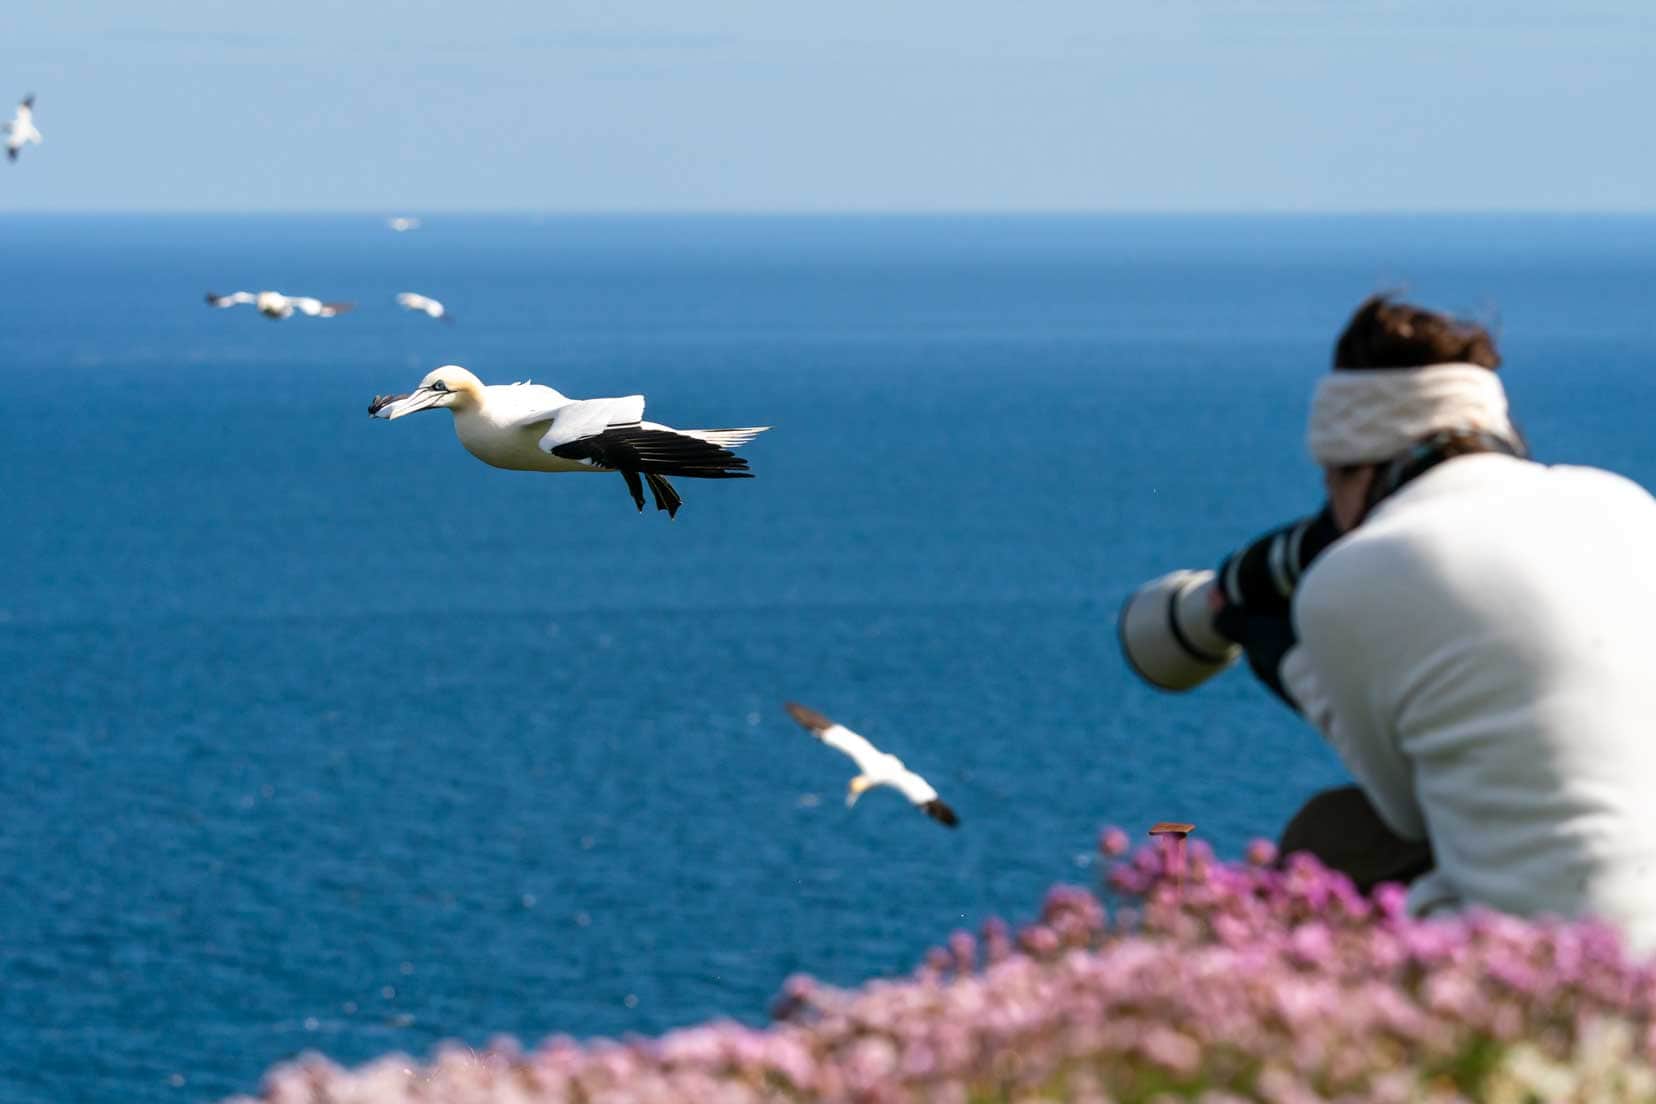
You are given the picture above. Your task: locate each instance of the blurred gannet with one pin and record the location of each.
(400, 223)
(413, 301)
(530, 427)
(273, 304)
(876, 768)
(21, 130)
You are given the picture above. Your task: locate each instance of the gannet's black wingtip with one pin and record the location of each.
(940, 813)
(808, 718)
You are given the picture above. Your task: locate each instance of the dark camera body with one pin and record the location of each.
(1260, 577)
(1187, 626)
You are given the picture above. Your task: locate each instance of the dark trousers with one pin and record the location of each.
(1341, 828)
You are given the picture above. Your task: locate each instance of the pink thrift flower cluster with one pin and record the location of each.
(1213, 982)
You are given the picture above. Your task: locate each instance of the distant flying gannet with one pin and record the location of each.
(875, 767)
(401, 224)
(21, 130)
(530, 427)
(413, 301)
(273, 304)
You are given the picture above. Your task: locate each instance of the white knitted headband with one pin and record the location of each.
(1367, 415)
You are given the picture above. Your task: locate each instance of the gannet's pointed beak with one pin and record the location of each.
(393, 407)
(855, 789)
(383, 403)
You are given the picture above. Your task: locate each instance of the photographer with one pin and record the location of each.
(1477, 647)
(1475, 644)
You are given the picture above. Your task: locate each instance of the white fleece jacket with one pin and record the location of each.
(1481, 652)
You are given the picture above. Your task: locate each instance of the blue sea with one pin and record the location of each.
(321, 735)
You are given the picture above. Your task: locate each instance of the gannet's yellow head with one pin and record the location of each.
(451, 386)
(859, 785)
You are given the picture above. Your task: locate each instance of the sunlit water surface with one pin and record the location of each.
(320, 734)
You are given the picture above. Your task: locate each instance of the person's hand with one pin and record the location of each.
(1265, 638)
(1253, 601)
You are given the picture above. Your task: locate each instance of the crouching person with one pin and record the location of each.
(1479, 646)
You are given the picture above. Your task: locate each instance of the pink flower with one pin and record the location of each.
(1240, 981)
(1113, 842)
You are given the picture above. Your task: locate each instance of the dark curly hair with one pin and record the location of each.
(1384, 333)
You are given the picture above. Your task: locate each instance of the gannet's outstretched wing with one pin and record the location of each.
(724, 438)
(870, 760)
(234, 298)
(920, 792)
(610, 433)
(913, 787)
(316, 308)
(578, 419)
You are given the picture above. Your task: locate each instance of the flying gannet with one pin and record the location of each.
(875, 767)
(409, 300)
(530, 427)
(273, 304)
(21, 130)
(402, 224)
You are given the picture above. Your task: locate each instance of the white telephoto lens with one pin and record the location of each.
(1167, 634)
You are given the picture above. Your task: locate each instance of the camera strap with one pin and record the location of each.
(1428, 453)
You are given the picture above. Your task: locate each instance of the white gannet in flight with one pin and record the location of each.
(273, 304)
(875, 767)
(530, 427)
(21, 130)
(409, 300)
(402, 224)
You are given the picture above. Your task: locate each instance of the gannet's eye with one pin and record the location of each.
(439, 386)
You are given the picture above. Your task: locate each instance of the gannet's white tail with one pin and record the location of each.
(725, 438)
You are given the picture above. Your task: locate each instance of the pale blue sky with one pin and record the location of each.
(857, 105)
